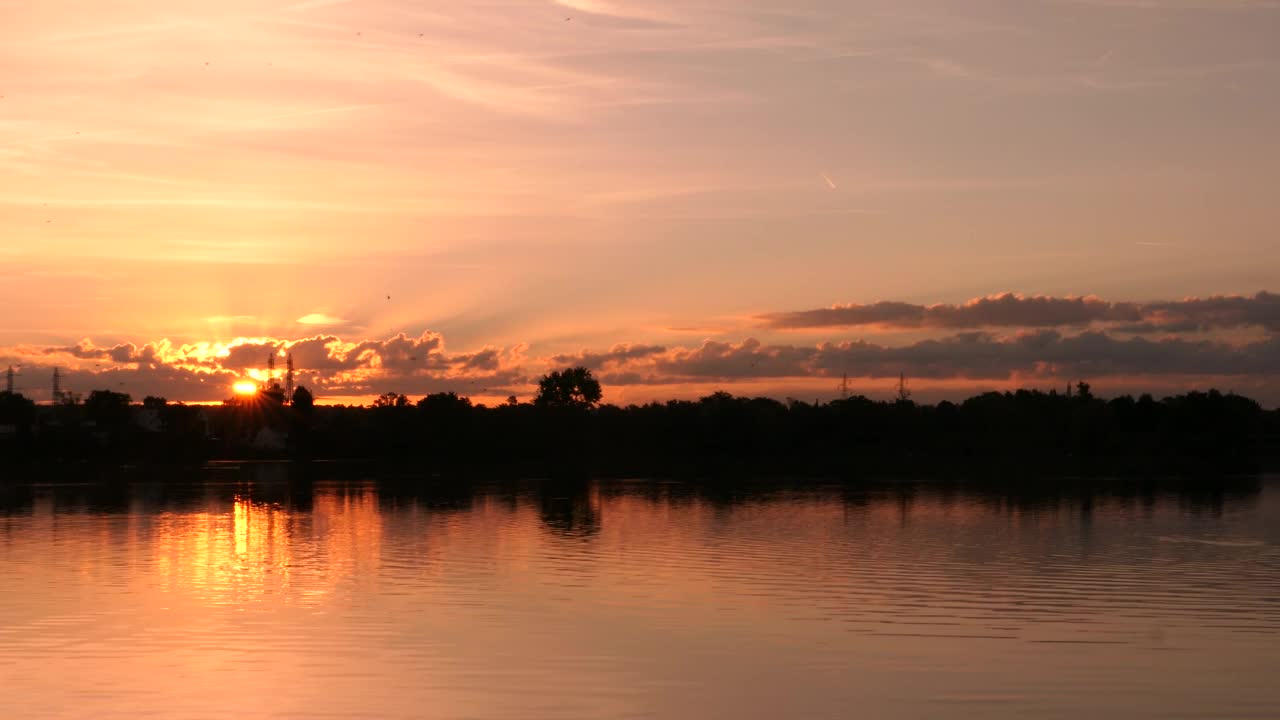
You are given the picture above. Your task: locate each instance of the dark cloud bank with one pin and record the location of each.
(972, 355)
(1011, 310)
(998, 339)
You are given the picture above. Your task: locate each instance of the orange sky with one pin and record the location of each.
(505, 186)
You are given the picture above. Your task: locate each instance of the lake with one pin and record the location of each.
(250, 592)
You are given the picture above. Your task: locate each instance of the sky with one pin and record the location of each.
(685, 195)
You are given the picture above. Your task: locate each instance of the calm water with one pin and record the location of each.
(245, 594)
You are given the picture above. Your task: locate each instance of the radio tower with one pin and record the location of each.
(271, 369)
(844, 387)
(288, 378)
(8, 381)
(903, 393)
(57, 385)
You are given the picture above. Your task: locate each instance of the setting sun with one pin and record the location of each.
(245, 387)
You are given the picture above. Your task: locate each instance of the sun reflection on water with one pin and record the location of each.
(268, 552)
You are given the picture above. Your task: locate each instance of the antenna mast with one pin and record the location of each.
(844, 387)
(8, 381)
(57, 385)
(288, 378)
(903, 393)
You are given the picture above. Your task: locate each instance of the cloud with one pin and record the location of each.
(332, 365)
(1021, 311)
(1210, 5)
(327, 363)
(320, 319)
(122, 353)
(617, 354)
(1220, 311)
(971, 356)
(632, 13)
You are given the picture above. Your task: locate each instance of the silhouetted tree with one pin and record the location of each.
(16, 409)
(107, 408)
(718, 434)
(445, 420)
(151, 402)
(444, 403)
(391, 400)
(303, 400)
(573, 387)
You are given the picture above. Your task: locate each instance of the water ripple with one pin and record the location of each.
(222, 598)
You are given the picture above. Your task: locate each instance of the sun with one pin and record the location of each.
(244, 387)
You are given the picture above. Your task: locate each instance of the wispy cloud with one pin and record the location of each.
(315, 4)
(225, 319)
(492, 159)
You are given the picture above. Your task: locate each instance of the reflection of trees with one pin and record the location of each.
(567, 509)
(241, 538)
(16, 499)
(418, 492)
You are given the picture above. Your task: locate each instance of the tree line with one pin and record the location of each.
(566, 426)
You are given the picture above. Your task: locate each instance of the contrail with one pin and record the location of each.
(824, 177)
